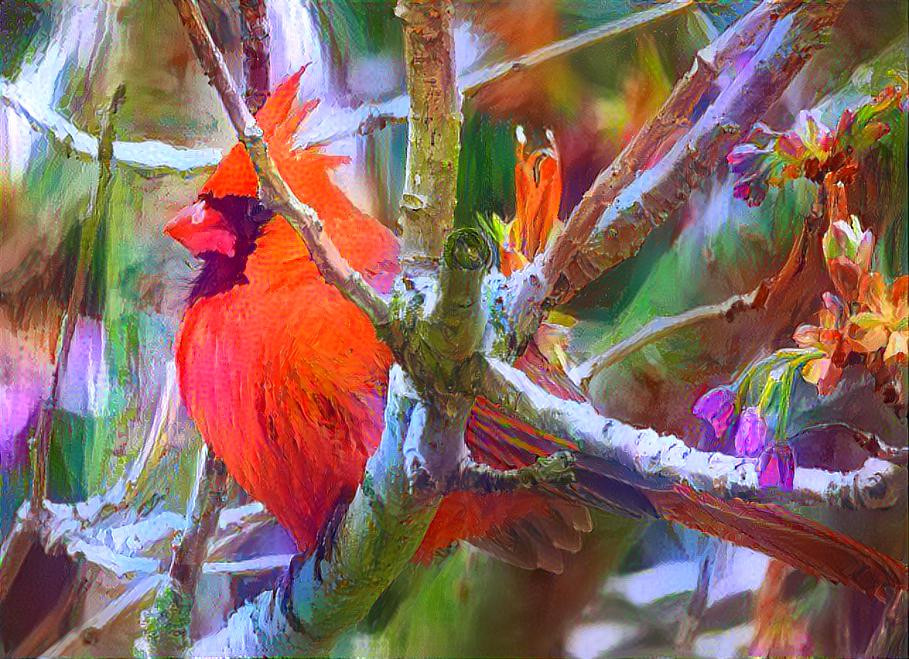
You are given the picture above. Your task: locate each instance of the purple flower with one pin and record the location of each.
(716, 408)
(750, 434)
(744, 157)
(777, 467)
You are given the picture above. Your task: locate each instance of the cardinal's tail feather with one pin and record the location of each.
(496, 439)
(503, 442)
(779, 533)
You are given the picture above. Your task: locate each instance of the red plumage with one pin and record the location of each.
(286, 381)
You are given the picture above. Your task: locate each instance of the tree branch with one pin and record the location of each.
(434, 125)
(665, 459)
(659, 328)
(627, 200)
(166, 624)
(471, 83)
(274, 191)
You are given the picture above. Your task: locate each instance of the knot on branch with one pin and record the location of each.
(554, 470)
(467, 249)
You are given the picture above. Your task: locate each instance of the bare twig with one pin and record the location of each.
(471, 83)
(625, 203)
(666, 459)
(274, 191)
(659, 328)
(255, 52)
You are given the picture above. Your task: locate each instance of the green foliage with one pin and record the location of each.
(485, 168)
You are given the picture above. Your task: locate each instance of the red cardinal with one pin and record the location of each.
(286, 381)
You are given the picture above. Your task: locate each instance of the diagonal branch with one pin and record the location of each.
(659, 328)
(664, 459)
(627, 200)
(274, 191)
(471, 83)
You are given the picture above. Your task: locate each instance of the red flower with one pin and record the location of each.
(829, 337)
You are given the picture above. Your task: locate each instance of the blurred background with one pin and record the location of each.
(630, 590)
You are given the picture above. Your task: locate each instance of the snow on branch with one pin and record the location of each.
(150, 156)
(667, 459)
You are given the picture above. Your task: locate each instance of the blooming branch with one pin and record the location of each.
(663, 459)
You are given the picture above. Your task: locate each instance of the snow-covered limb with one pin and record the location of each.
(377, 536)
(666, 459)
(150, 156)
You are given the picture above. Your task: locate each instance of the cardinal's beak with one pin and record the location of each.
(200, 228)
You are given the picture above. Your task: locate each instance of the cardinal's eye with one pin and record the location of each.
(259, 213)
